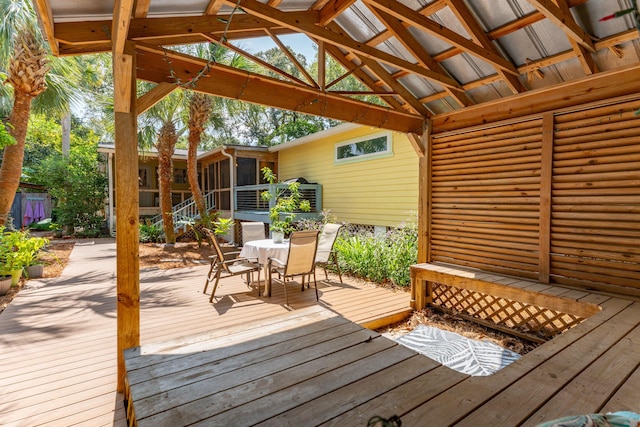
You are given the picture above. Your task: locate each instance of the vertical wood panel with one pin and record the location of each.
(546, 171)
(127, 207)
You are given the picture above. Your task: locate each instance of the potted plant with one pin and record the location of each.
(5, 283)
(10, 264)
(288, 200)
(31, 249)
(18, 251)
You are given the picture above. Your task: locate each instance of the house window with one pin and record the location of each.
(364, 148)
(180, 176)
(143, 178)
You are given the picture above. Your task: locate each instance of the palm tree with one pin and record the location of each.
(27, 71)
(200, 106)
(28, 75)
(162, 122)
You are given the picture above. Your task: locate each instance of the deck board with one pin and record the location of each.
(60, 336)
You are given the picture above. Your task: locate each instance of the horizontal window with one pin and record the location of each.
(366, 147)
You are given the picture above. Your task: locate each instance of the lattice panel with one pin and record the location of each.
(503, 312)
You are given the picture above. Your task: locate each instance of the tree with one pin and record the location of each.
(78, 187)
(27, 71)
(200, 106)
(28, 76)
(161, 122)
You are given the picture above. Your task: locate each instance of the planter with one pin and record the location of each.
(277, 236)
(34, 271)
(5, 284)
(14, 274)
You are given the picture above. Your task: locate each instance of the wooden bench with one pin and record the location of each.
(525, 293)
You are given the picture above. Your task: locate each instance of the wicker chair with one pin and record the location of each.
(222, 268)
(325, 254)
(300, 260)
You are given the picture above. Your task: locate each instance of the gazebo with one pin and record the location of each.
(522, 112)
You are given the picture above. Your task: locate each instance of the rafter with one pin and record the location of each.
(406, 14)
(332, 9)
(357, 71)
(141, 9)
(415, 48)
(292, 58)
(242, 85)
(213, 7)
(392, 83)
(313, 31)
(584, 56)
(564, 20)
(472, 26)
(255, 59)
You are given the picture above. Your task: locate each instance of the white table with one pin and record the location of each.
(263, 250)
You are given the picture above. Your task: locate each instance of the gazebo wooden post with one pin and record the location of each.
(127, 197)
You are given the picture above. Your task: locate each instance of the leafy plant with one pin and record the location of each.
(222, 226)
(18, 249)
(150, 233)
(79, 188)
(288, 200)
(381, 259)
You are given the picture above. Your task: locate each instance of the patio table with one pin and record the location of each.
(263, 250)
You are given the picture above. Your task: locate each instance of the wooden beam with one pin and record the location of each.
(258, 89)
(122, 12)
(587, 89)
(471, 24)
(425, 196)
(150, 29)
(332, 9)
(153, 96)
(292, 58)
(416, 143)
(322, 65)
(213, 7)
(358, 73)
(142, 8)
(255, 59)
(127, 201)
(45, 16)
(410, 43)
(546, 178)
(417, 20)
(564, 21)
(313, 31)
(589, 66)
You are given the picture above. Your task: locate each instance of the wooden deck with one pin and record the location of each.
(312, 367)
(58, 339)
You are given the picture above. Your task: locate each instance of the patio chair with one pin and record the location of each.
(252, 231)
(222, 267)
(325, 254)
(300, 260)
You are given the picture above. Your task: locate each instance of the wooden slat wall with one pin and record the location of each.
(490, 204)
(595, 225)
(486, 198)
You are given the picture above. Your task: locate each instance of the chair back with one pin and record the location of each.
(252, 231)
(213, 242)
(302, 252)
(327, 239)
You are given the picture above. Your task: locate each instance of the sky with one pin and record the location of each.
(298, 42)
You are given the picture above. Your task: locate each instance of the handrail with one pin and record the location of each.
(184, 213)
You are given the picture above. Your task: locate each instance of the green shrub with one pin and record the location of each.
(380, 259)
(150, 233)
